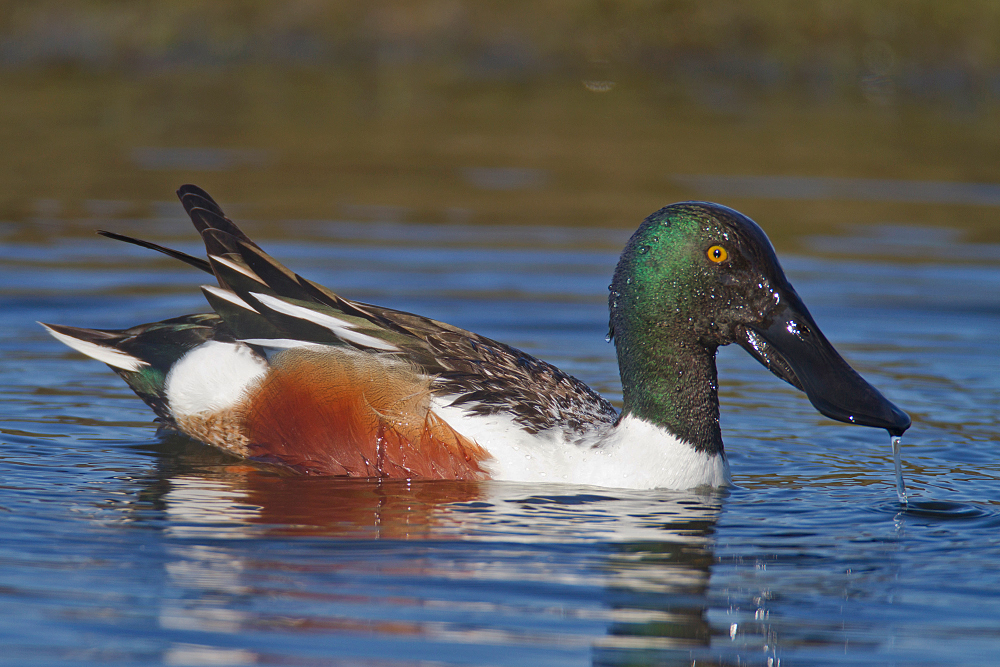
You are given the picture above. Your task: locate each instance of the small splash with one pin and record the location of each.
(900, 489)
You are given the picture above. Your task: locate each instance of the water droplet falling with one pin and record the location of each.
(900, 489)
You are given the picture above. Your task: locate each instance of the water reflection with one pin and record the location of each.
(551, 568)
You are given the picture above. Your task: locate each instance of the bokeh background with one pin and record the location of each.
(483, 163)
(545, 112)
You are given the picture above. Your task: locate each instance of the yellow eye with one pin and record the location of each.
(717, 254)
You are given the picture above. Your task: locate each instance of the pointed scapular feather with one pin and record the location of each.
(204, 219)
(278, 277)
(242, 318)
(220, 242)
(283, 343)
(240, 268)
(200, 204)
(233, 274)
(228, 296)
(192, 196)
(342, 328)
(398, 321)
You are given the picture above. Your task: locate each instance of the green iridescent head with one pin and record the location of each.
(695, 276)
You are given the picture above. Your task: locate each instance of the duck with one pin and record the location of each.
(286, 373)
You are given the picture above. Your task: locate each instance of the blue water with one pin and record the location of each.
(122, 546)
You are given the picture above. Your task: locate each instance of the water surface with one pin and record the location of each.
(122, 546)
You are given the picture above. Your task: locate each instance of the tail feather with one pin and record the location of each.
(247, 275)
(144, 354)
(96, 344)
(196, 262)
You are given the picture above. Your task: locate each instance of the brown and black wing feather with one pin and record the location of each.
(481, 375)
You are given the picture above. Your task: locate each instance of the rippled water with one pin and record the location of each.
(121, 546)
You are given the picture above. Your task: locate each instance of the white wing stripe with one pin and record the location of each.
(340, 328)
(229, 296)
(239, 269)
(283, 343)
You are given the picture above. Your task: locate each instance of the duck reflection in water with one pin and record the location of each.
(490, 558)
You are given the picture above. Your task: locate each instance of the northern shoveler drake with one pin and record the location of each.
(287, 372)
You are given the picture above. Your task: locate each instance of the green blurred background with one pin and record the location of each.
(544, 112)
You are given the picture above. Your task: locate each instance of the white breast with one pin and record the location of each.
(635, 454)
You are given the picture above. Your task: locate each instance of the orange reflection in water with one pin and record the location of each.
(246, 499)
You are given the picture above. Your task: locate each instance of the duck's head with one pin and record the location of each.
(695, 276)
